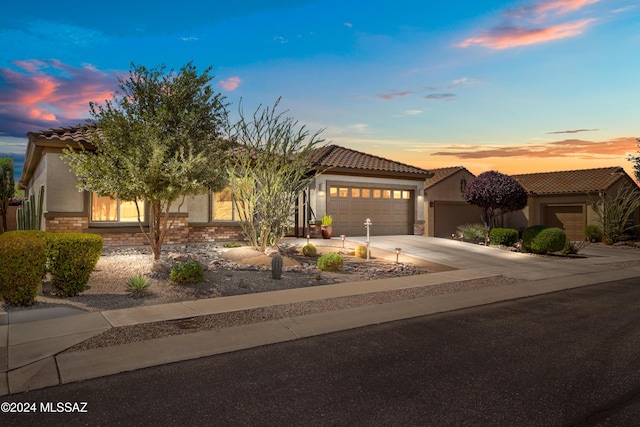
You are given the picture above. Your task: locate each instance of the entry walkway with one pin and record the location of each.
(32, 343)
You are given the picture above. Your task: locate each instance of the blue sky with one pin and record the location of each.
(514, 86)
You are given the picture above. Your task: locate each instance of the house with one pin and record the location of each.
(444, 207)
(565, 199)
(356, 186)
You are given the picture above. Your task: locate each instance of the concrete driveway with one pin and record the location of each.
(463, 255)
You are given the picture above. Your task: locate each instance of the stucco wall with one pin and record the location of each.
(448, 191)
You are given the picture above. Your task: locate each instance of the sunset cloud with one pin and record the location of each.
(230, 84)
(42, 94)
(533, 24)
(615, 148)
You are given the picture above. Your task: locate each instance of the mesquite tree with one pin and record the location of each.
(157, 141)
(270, 168)
(496, 194)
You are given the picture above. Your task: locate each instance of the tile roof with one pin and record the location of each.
(64, 134)
(441, 174)
(572, 181)
(335, 156)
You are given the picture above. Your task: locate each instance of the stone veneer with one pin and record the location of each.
(418, 228)
(180, 233)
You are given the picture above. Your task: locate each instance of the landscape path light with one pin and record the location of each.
(342, 237)
(308, 237)
(398, 250)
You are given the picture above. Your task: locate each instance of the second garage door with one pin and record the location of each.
(570, 218)
(390, 210)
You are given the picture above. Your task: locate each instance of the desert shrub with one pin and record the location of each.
(593, 233)
(309, 250)
(551, 239)
(138, 285)
(232, 245)
(503, 236)
(361, 251)
(22, 259)
(607, 241)
(187, 272)
(71, 258)
(573, 248)
(330, 262)
(529, 234)
(472, 231)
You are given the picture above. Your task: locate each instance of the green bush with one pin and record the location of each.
(529, 234)
(472, 231)
(361, 251)
(607, 241)
(330, 262)
(187, 272)
(71, 258)
(503, 236)
(593, 233)
(309, 250)
(551, 239)
(22, 259)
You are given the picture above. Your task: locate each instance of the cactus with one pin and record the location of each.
(276, 267)
(29, 216)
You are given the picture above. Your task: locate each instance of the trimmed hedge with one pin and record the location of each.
(71, 258)
(593, 233)
(551, 239)
(503, 236)
(22, 259)
(529, 234)
(330, 262)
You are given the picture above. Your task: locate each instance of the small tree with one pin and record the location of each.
(496, 194)
(7, 188)
(157, 141)
(270, 168)
(615, 213)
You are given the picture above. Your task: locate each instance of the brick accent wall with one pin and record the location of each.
(66, 224)
(418, 228)
(181, 232)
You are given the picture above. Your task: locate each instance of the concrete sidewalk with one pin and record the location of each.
(32, 342)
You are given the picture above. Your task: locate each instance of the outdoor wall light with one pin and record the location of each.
(321, 192)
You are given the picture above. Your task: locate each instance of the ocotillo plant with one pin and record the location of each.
(29, 216)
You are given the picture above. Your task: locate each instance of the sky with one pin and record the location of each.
(512, 86)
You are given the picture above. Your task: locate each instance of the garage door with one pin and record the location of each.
(448, 216)
(570, 218)
(390, 210)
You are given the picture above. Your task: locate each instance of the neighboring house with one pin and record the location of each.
(444, 207)
(356, 186)
(565, 199)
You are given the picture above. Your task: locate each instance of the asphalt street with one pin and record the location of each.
(567, 358)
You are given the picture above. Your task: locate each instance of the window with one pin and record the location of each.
(223, 205)
(366, 193)
(112, 209)
(333, 191)
(355, 192)
(406, 195)
(377, 194)
(397, 194)
(386, 194)
(343, 192)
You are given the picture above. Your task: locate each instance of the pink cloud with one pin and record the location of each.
(230, 84)
(533, 24)
(505, 38)
(41, 94)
